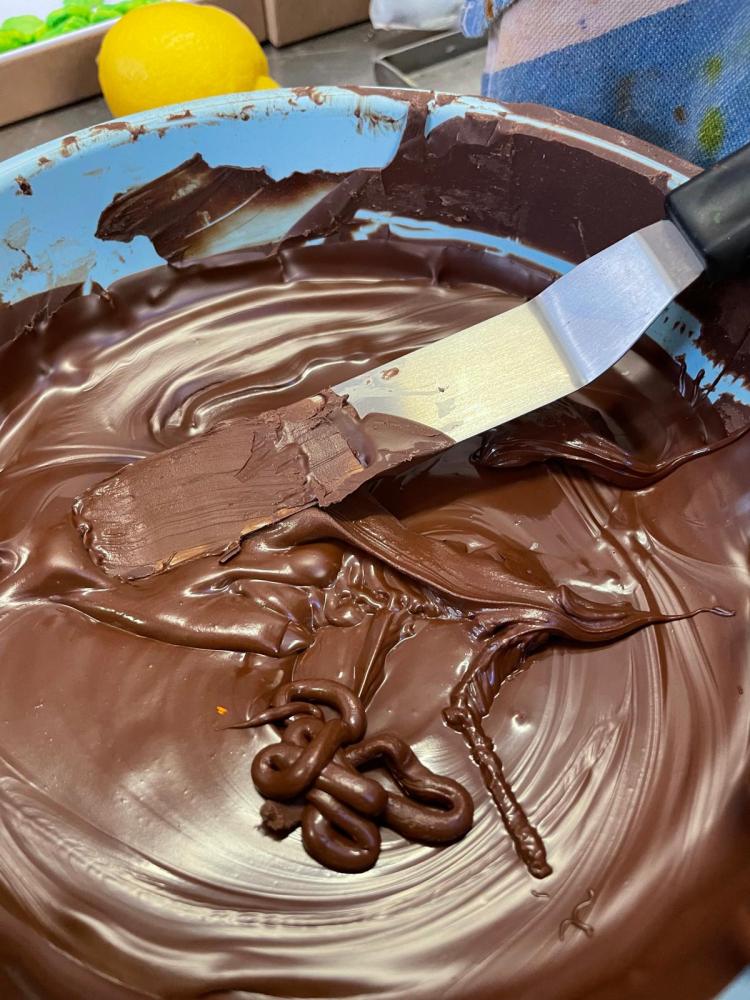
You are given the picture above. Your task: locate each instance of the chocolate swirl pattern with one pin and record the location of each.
(515, 597)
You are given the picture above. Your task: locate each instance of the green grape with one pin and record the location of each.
(105, 12)
(75, 16)
(79, 10)
(56, 17)
(62, 25)
(10, 40)
(26, 25)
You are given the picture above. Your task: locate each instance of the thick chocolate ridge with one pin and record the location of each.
(133, 864)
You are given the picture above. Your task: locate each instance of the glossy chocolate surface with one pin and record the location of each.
(528, 627)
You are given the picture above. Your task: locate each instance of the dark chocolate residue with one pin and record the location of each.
(474, 169)
(495, 175)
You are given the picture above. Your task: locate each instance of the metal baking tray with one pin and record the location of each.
(448, 61)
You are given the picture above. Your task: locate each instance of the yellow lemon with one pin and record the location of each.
(169, 53)
(265, 83)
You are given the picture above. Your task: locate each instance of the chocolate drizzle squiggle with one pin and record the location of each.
(319, 759)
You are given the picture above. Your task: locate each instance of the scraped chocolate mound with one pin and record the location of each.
(204, 497)
(516, 610)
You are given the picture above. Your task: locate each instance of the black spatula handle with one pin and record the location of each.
(713, 212)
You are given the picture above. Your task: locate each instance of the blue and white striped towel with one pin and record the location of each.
(674, 72)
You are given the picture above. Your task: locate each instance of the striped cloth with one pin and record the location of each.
(675, 72)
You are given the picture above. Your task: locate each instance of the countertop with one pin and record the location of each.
(341, 57)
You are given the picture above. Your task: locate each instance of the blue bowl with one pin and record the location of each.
(51, 197)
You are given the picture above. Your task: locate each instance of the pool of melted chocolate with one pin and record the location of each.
(503, 607)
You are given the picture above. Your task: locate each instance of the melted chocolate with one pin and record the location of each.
(493, 618)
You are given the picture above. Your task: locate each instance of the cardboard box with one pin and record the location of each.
(62, 70)
(290, 21)
(251, 12)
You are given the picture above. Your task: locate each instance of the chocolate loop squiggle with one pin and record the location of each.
(336, 836)
(337, 778)
(443, 810)
(330, 693)
(340, 804)
(278, 777)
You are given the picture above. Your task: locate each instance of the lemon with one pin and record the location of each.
(168, 53)
(265, 83)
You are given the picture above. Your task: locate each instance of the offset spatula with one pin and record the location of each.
(204, 496)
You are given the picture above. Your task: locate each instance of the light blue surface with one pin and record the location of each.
(739, 990)
(281, 131)
(48, 239)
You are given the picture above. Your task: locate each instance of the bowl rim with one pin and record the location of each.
(343, 100)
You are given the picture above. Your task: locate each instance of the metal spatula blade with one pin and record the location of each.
(560, 341)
